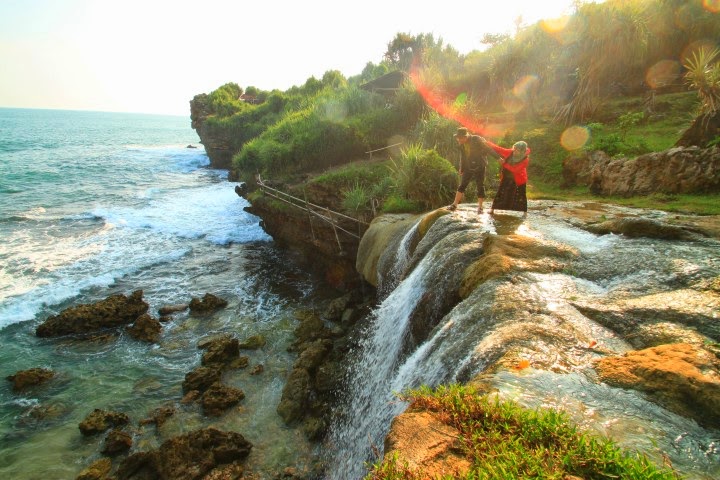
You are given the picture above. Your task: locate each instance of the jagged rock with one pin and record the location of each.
(208, 303)
(159, 415)
(684, 378)
(98, 470)
(241, 189)
(201, 378)
(117, 441)
(169, 309)
(295, 396)
(100, 420)
(190, 456)
(257, 369)
(114, 311)
(335, 309)
(428, 445)
(313, 354)
(220, 350)
(145, 329)
(253, 343)
(219, 398)
(674, 171)
(24, 379)
(310, 328)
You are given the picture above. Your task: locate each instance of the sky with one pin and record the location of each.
(154, 56)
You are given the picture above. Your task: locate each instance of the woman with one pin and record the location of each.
(512, 192)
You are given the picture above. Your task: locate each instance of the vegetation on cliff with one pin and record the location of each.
(504, 440)
(624, 77)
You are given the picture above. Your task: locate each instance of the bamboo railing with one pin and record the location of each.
(321, 213)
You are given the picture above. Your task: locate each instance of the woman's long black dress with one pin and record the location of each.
(510, 196)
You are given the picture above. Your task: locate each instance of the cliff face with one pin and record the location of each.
(218, 147)
(326, 247)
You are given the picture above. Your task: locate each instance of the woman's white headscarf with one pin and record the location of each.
(519, 152)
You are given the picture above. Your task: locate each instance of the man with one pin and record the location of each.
(474, 153)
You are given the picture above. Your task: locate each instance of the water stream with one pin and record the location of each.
(531, 315)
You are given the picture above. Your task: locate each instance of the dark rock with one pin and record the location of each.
(221, 350)
(201, 378)
(253, 343)
(190, 456)
(98, 470)
(100, 420)
(313, 354)
(24, 379)
(191, 146)
(208, 303)
(315, 428)
(219, 398)
(114, 311)
(241, 189)
(168, 309)
(159, 415)
(257, 369)
(145, 329)
(117, 441)
(295, 396)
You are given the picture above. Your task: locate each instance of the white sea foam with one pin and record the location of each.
(213, 212)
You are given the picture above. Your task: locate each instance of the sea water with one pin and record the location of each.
(94, 204)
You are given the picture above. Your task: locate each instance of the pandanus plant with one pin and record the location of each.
(704, 76)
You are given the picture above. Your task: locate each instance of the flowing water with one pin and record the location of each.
(535, 317)
(93, 204)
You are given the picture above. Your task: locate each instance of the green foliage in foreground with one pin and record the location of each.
(424, 177)
(506, 441)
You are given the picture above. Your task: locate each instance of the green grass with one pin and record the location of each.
(505, 441)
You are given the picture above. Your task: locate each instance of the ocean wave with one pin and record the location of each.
(211, 212)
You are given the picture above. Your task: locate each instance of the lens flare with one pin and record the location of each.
(712, 5)
(574, 137)
(452, 106)
(526, 86)
(554, 25)
(664, 72)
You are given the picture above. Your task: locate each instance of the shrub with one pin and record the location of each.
(424, 177)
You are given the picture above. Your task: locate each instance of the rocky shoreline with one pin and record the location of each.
(210, 452)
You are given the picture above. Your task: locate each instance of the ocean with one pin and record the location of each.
(94, 204)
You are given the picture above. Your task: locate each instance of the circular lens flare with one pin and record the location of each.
(663, 73)
(574, 137)
(712, 5)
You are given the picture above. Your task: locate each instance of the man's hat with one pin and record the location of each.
(461, 132)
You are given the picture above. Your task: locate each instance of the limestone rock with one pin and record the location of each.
(100, 420)
(145, 329)
(221, 350)
(219, 398)
(98, 470)
(189, 456)
(116, 442)
(295, 396)
(427, 445)
(24, 379)
(682, 377)
(114, 311)
(201, 378)
(208, 303)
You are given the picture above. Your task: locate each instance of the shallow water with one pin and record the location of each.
(95, 204)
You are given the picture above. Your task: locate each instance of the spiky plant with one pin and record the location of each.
(704, 76)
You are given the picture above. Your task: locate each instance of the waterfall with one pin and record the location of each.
(534, 313)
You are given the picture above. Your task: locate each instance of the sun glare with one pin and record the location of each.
(574, 137)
